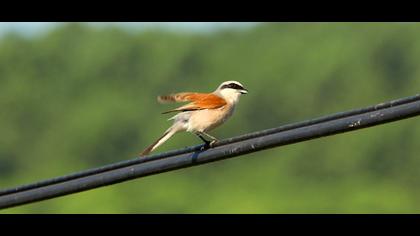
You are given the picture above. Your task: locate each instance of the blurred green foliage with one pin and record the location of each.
(79, 97)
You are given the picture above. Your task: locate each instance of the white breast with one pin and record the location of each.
(208, 119)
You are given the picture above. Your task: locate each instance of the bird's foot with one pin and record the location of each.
(209, 144)
(212, 143)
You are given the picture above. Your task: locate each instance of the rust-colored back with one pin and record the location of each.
(198, 101)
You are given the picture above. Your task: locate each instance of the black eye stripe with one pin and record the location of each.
(232, 86)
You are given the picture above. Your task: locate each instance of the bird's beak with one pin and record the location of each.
(244, 91)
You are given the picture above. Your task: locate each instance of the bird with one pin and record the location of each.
(205, 112)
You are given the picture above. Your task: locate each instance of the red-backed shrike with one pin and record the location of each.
(205, 112)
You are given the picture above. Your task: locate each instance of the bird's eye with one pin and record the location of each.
(225, 86)
(235, 86)
(232, 86)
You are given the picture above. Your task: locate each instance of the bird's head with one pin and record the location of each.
(231, 90)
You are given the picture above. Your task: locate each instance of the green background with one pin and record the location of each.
(80, 97)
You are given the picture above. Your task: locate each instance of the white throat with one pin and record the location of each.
(230, 95)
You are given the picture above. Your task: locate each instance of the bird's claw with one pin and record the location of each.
(209, 144)
(212, 143)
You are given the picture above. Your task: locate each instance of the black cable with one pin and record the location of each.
(199, 147)
(123, 171)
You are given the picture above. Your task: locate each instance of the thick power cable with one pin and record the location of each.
(328, 125)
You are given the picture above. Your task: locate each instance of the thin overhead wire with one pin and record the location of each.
(196, 155)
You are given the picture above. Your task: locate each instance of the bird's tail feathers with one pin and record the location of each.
(168, 133)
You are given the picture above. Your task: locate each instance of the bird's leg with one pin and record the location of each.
(207, 143)
(214, 140)
(202, 138)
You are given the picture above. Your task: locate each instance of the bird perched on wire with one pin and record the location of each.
(205, 112)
